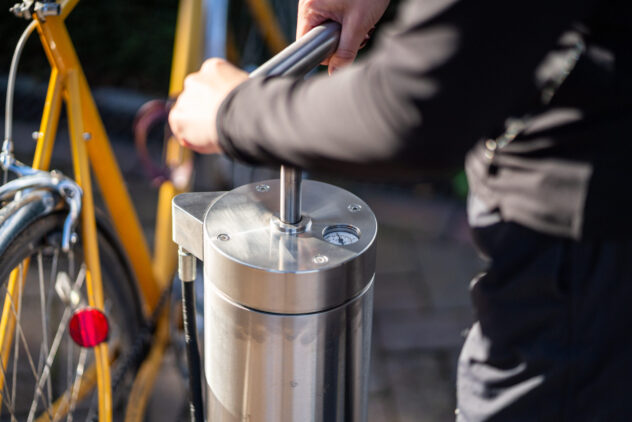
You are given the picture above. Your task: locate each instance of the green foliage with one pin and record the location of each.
(460, 185)
(120, 43)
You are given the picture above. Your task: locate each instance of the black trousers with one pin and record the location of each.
(553, 337)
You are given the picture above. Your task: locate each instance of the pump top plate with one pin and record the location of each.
(255, 260)
(249, 218)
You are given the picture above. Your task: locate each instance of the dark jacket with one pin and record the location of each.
(445, 78)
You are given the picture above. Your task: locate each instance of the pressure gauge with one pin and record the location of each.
(341, 235)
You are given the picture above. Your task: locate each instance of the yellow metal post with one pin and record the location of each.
(187, 49)
(187, 58)
(165, 250)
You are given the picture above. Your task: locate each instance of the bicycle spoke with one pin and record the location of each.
(16, 349)
(83, 386)
(69, 365)
(22, 337)
(47, 365)
(6, 397)
(55, 345)
(71, 264)
(53, 277)
(77, 384)
(44, 313)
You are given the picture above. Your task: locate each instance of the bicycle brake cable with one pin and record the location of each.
(6, 154)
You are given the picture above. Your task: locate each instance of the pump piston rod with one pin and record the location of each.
(296, 60)
(290, 209)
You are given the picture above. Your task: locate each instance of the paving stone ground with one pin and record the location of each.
(425, 262)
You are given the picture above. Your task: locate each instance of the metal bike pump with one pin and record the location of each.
(288, 286)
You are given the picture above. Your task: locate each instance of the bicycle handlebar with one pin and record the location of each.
(303, 54)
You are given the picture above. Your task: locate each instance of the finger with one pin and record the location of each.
(351, 38)
(190, 82)
(177, 120)
(312, 13)
(206, 149)
(367, 37)
(212, 64)
(174, 122)
(307, 18)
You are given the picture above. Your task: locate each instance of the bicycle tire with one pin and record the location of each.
(40, 241)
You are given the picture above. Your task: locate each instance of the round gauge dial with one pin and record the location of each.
(341, 235)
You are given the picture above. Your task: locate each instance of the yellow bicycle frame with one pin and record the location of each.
(91, 149)
(90, 145)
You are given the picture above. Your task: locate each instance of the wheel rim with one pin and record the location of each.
(46, 376)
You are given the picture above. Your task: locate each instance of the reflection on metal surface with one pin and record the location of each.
(263, 367)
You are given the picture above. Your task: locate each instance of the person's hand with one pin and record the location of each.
(192, 119)
(357, 17)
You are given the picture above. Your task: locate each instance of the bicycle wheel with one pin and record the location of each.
(52, 288)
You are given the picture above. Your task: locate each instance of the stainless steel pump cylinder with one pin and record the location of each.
(287, 308)
(288, 286)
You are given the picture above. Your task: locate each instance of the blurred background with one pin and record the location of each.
(425, 256)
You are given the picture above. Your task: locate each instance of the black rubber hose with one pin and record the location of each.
(196, 404)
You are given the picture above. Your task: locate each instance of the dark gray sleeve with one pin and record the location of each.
(443, 75)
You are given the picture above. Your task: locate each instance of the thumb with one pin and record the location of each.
(351, 37)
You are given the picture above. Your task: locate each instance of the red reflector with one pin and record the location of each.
(89, 327)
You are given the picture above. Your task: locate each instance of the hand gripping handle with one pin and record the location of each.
(297, 60)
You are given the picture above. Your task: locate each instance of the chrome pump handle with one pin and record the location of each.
(297, 60)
